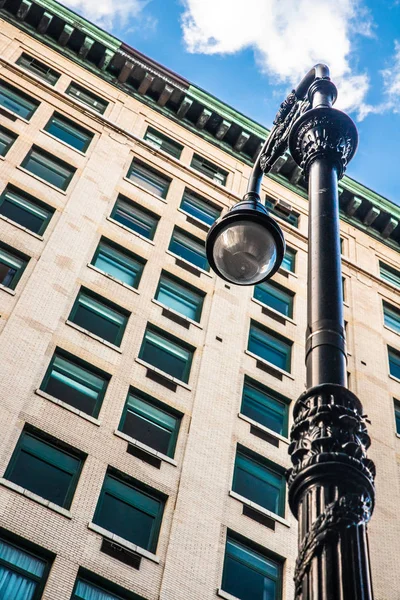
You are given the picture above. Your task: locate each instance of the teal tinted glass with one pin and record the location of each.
(49, 168)
(209, 169)
(25, 211)
(397, 415)
(130, 511)
(258, 482)
(149, 179)
(199, 208)
(289, 260)
(189, 248)
(394, 363)
(179, 297)
(249, 575)
(135, 217)
(118, 263)
(11, 268)
(391, 317)
(265, 407)
(75, 384)
(22, 574)
(44, 469)
(87, 98)
(144, 420)
(70, 133)
(38, 68)
(290, 217)
(390, 274)
(7, 138)
(17, 102)
(275, 297)
(166, 353)
(270, 348)
(100, 317)
(163, 142)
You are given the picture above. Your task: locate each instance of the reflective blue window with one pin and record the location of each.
(391, 317)
(275, 297)
(48, 167)
(135, 217)
(289, 260)
(7, 138)
(12, 265)
(118, 262)
(209, 169)
(199, 208)
(22, 574)
(69, 132)
(163, 142)
(93, 587)
(87, 98)
(25, 210)
(270, 347)
(264, 406)
(289, 216)
(16, 101)
(397, 415)
(189, 248)
(389, 274)
(180, 297)
(151, 180)
(167, 353)
(394, 362)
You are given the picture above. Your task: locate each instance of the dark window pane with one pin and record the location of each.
(166, 354)
(397, 415)
(199, 208)
(38, 68)
(181, 298)
(163, 142)
(49, 168)
(289, 260)
(118, 263)
(11, 267)
(86, 97)
(17, 102)
(209, 169)
(87, 590)
(258, 482)
(275, 297)
(69, 132)
(135, 217)
(269, 347)
(149, 179)
(99, 317)
(25, 211)
(391, 317)
(7, 138)
(189, 248)
(286, 215)
(263, 406)
(394, 363)
(390, 274)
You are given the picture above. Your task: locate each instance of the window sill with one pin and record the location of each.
(53, 137)
(122, 542)
(14, 116)
(24, 492)
(270, 366)
(259, 508)
(163, 374)
(394, 378)
(145, 448)
(143, 189)
(7, 290)
(125, 285)
(145, 239)
(72, 409)
(391, 330)
(270, 432)
(398, 435)
(14, 224)
(175, 312)
(189, 263)
(225, 595)
(287, 273)
(93, 336)
(279, 315)
(50, 185)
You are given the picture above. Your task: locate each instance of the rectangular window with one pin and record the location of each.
(394, 362)
(38, 68)
(48, 167)
(99, 316)
(69, 132)
(209, 169)
(7, 138)
(162, 142)
(270, 347)
(276, 297)
(25, 210)
(289, 260)
(199, 208)
(41, 466)
(189, 248)
(148, 178)
(389, 274)
(75, 382)
(259, 480)
(397, 415)
(166, 352)
(264, 406)
(89, 586)
(289, 215)
(180, 296)
(118, 262)
(12, 265)
(131, 510)
(22, 574)
(135, 217)
(391, 317)
(250, 574)
(150, 422)
(87, 98)
(17, 102)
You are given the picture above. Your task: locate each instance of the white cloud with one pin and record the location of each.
(287, 36)
(108, 13)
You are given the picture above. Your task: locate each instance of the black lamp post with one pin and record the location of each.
(331, 483)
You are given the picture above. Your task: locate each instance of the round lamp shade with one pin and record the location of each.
(246, 246)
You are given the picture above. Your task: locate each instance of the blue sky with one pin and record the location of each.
(250, 53)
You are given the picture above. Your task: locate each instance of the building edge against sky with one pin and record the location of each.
(146, 404)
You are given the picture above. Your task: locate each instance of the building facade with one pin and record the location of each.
(146, 404)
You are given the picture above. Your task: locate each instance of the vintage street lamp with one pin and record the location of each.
(331, 483)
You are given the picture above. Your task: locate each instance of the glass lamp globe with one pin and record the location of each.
(246, 246)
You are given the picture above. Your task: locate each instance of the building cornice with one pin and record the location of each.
(193, 108)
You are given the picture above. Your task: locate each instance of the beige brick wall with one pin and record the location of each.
(33, 323)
